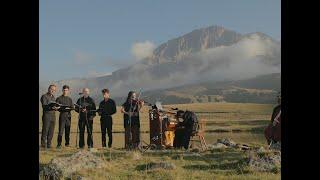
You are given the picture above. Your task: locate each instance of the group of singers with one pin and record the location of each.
(86, 108)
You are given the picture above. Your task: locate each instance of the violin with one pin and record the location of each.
(140, 101)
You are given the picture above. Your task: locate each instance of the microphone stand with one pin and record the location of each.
(78, 122)
(87, 122)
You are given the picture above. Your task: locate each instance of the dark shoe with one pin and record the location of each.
(67, 145)
(109, 145)
(59, 147)
(48, 146)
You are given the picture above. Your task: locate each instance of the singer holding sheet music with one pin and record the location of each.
(48, 116)
(87, 109)
(107, 108)
(64, 116)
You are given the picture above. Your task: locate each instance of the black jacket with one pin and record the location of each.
(45, 100)
(107, 108)
(90, 108)
(64, 100)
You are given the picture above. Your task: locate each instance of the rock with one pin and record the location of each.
(276, 146)
(64, 167)
(243, 146)
(227, 142)
(261, 150)
(217, 146)
(265, 162)
(161, 165)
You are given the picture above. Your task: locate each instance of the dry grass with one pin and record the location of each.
(226, 164)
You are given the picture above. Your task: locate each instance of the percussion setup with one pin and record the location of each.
(163, 124)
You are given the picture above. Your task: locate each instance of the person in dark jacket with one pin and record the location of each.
(107, 108)
(276, 109)
(48, 117)
(184, 129)
(131, 120)
(87, 109)
(64, 116)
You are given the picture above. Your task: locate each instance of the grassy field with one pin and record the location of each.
(243, 123)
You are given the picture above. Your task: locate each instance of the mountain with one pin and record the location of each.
(212, 54)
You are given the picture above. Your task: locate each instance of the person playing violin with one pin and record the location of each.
(130, 109)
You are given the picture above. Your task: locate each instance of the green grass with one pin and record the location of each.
(213, 164)
(243, 123)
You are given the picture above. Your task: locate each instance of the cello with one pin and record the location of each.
(273, 131)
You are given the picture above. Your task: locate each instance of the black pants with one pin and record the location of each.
(48, 123)
(134, 133)
(106, 127)
(64, 125)
(82, 124)
(181, 138)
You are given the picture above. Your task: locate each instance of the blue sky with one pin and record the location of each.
(81, 38)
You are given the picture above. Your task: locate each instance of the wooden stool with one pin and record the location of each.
(199, 136)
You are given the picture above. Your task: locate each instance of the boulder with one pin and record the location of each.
(264, 161)
(65, 167)
(227, 142)
(217, 146)
(276, 146)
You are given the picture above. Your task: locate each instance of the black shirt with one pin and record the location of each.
(92, 106)
(45, 100)
(107, 108)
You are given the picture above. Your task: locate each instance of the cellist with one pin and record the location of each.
(273, 131)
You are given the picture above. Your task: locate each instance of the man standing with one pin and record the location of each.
(65, 116)
(48, 117)
(87, 109)
(107, 108)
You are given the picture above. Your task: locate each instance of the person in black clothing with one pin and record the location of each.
(131, 120)
(65, 116)
(184, 129)
(48, 117)
(276, 109)
(107, 108)
(87, 109)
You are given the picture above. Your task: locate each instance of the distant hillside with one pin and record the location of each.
(261, 89)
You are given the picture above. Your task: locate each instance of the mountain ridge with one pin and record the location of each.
(203, 54)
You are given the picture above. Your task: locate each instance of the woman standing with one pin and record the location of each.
(131, 120)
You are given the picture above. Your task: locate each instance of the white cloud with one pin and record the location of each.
(141, 50)
(92, 74)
